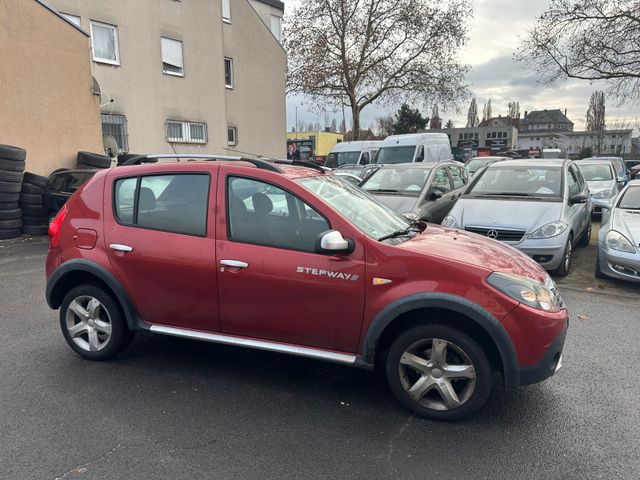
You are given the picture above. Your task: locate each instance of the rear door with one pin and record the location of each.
(159, 232)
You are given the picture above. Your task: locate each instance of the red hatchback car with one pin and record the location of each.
(294, 260)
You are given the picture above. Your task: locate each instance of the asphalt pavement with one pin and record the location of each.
(172, 408)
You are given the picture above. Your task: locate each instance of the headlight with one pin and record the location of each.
(604, 194)
(410, 215)
(617, 241)
(450, 221)
(530, 292)
(549, 230)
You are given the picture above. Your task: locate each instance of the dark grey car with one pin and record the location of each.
(419, 191)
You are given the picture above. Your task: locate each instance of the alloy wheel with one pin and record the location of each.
(437, 374)
(88, 323)
(567, 256)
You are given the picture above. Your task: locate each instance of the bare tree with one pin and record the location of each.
(356, 52)
(334, 125)
(386, 125)
(486, 111)
(588, 40)
(472, 115)
(596, 119)
(514, 110)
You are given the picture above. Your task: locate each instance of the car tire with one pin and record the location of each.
(567, 256)
(32, 189)
(10, 187)
(597, 271)
(9, 234)
(31, 211)
(10, 214)
(11, 153)
(34, 221)
(9, 197)
(14, 224)
(35, 179)
(93, 324)
(585, 239)
(11, 176)
(36, 230)
(451, 394)
(93, 160)
(12, 165)
(31, 199)
(9, 205)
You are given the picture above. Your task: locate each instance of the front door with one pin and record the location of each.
(161, 246)
(272, 284)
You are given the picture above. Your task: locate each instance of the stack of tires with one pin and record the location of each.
(88, 160)
(12, 162)
(34, 216)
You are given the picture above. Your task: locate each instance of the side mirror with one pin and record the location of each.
(332, 241)
(435, 195)
(579, 198)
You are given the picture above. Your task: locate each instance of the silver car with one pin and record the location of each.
(539, 206)
(619, 238)
(601, 178)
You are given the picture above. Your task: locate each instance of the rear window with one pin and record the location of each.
(173, 203)
(68, 182)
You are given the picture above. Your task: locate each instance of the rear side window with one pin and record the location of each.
(172, 203)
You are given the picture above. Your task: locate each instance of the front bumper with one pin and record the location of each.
(619, 265)
(548, 366)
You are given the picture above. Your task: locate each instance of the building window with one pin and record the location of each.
(172, 62)
(75, 19)
(226, 11)
(276, 27)
(186, 132)
(232, 135)
(228, 72)
(116, 126)
(104, 43)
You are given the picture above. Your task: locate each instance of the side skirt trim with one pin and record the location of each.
(258, 344)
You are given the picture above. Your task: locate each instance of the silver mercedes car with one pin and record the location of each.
(619, 238)
(540, 206)
(602, 181)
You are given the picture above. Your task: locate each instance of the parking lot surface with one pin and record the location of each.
(170, 408)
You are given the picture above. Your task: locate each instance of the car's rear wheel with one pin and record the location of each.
(563, 269)
(438, 372)
(92, 323)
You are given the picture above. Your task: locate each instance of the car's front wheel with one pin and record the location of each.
(438, 372)
(567, 256)
(92, 323)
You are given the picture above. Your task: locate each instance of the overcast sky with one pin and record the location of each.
(494, 35)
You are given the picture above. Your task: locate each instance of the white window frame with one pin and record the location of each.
(279, 34)
(235, 135)
(169, 72)
(116, 43)
(232, 84)
(226, 11)
(186, 132)
(75, 19)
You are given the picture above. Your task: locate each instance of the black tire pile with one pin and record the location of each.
(88, 160)
(34, 216)
(12, 163)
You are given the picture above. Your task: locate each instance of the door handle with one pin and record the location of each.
(121, 248)
(234, 263)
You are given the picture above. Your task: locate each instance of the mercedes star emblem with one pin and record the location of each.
(492, 234)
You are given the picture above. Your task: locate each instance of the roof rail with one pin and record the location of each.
(300, 163)
(153, 158)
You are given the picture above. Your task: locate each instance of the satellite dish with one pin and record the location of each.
(95, 87)
(110, 146)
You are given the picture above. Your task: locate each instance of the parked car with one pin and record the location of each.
(476, 163)
(418, 191)
(541, 207)
(601, 179)
(61, 185)
(619, 237)
(622, 174)
(360, 171)
(349, 177)
(416, 147)
(305, 264)
(352, 153)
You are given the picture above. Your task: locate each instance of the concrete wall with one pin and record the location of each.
(148, 97)
(46, 105)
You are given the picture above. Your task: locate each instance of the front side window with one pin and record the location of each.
(116, 126)
(172, 61)
(441, 181)
(574, 184)
(228, 72)
(172, 203)
(104, 43)
(262, 214)
(186, 132)
(458, 177)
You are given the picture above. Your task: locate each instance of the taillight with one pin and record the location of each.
(55, 226)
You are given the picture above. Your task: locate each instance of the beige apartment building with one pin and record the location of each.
(196, 76)
(46, 104)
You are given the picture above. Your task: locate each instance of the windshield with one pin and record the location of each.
(357, 206)
(519, 181)
(596, 173)
(396, 154)
(342, 158)
(408, 181)
(474, 165)
(631, 199)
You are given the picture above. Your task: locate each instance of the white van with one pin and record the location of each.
(415, 147)
(352, 153)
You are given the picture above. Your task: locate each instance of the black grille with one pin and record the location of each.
(501, 234)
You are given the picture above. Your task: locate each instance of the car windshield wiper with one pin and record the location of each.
(414, 227)
(508, 194)
(383, 190)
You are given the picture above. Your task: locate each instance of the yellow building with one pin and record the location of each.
(314, 146)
